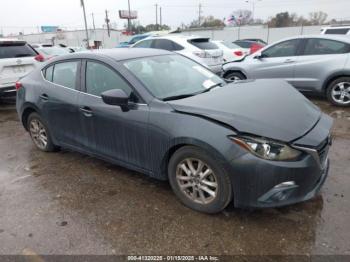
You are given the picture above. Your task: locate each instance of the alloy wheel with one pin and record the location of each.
(197, 180)
(38, 134)
(341, 93)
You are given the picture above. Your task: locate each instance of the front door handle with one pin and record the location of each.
(86, 111)
(44, 97)
(287, 61)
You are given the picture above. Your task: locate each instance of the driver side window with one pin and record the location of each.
(101, 78)
(144, 44)
(286, 48)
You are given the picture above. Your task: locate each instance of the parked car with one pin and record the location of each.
(258, 40)
(167, 116)
(50, 52)
(75, 49)
(40, 45)
(319, 63)
(336, 30)
(17, 59)
(231, 52)
(133, 40)
(200, 49)
(249, 46)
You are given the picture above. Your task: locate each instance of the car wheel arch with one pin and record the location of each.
(230, 71)
(333, 77)
(187, 142)
(25, 114)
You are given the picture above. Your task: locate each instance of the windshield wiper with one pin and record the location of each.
(177, 97)
(212, 87)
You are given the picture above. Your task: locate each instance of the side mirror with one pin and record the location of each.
(116, 97)
(259, 56)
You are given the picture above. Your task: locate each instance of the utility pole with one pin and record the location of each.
(160, 16)
(93, 21)
(253, 6)
(129, 24)
(107, 22)
(199, 14)
(85, 21)
(157, 16)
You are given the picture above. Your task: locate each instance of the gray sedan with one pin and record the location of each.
(168, 117)
(318, 64)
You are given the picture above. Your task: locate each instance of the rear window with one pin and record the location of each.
(15, 50)
(203, 43)
(243, 44)
(230, 45)
(337, 31)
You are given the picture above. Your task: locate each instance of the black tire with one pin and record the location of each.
(35, 118)
(223, 190)
(333, 86)
(234, 76)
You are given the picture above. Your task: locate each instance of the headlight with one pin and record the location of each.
(265, 149)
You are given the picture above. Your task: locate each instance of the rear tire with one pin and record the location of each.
(234, 76)
(338, 91)
(199, 181)
(39, 133)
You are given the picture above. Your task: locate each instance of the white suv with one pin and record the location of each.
(200, 49)
(17, 59)
(336, 30)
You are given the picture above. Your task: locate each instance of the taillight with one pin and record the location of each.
(18, 85)
(200, 54)
(39, 58)
(238, 53)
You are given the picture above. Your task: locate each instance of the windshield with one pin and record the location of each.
(53, 51)
(172, 75)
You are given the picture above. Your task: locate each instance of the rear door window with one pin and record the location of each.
(65, 74)
(203, 43)
(15, 50)
(320, 46)
(166, 44)
(144, 44)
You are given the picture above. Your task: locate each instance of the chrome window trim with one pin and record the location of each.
(42, 75)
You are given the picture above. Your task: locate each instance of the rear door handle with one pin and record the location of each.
(86, 111)
(44, 97)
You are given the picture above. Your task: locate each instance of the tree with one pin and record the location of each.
(318, 18)
(154, 27)
(211, 21)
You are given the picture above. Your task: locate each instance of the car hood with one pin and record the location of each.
(266, 108)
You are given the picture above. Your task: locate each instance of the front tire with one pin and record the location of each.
(234, 76)
(39, 133)
(199, 181)
(338, 91)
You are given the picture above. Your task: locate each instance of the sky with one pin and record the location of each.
(28, 15)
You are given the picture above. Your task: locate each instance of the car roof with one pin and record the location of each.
(342, 38)
(179, 36)
(11, 40)
(117, 54)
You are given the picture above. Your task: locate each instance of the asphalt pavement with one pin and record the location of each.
(69, 203)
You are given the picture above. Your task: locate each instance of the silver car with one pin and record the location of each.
(310, 63)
